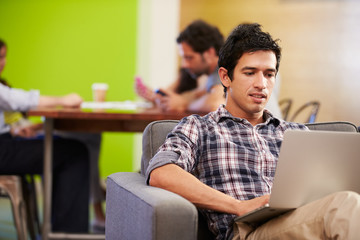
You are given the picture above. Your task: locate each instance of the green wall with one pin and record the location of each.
(63, 46)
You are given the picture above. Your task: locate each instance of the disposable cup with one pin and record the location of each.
(99, 91)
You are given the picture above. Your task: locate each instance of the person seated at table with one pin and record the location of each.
(21, 127)
(199, 45)
(70, 160)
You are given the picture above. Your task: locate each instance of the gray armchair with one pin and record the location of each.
(135, 211)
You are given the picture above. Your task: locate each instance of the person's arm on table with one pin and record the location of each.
(28, 131)
(70, 100)
(209, 101)
(171, 101)
(197, 100)
(167, 177)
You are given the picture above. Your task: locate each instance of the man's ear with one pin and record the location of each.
(224, 77)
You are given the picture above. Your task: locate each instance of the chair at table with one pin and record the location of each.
(307, 112)
(285, 106)
(11, 186)
(22, 196)
(136, 211)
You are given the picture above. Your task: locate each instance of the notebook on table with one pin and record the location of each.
(311, 165)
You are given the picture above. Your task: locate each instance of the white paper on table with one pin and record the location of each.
(125, 105)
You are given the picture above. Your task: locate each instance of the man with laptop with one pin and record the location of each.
(225, 162)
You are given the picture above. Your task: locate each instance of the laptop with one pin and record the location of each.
(311, 165)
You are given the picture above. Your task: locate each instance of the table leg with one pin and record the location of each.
(48, 179)
(48, 149)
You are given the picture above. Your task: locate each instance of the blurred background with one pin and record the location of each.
(64, 46)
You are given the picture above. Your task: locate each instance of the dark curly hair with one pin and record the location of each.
(201, 36)
(243, 39)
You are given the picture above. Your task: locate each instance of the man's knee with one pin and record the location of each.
(343, 216)
(340, 202)
(347, 196)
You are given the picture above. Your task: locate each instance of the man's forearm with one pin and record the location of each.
(209, 101)
(192, 95)
(47, 101)
(172, 178)
(70, 100)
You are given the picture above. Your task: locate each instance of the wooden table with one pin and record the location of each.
(87, 121)
(104, 120)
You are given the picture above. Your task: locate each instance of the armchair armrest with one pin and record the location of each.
(137, 211)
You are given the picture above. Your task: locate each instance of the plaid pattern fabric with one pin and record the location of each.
(228, 154)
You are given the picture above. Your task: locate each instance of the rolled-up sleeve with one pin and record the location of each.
(160, 159)
(12, 99)
(179, 148)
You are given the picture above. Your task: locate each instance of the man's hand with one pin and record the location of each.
(250, 205)
(71, 100)
(171, 102)
(26, 131)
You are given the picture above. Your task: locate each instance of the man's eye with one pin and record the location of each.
(249, 73)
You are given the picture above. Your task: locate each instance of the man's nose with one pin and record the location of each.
(185, 63)
(260, 81)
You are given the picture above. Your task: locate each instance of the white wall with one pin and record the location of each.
(157, 29)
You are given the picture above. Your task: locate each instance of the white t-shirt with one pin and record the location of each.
(12, 99)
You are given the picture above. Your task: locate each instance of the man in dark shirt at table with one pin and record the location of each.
(199, 44)
(225, 162)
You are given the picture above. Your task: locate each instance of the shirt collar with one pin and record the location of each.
(270, 118)
(221, 113)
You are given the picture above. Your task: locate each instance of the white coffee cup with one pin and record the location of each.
(99, 91)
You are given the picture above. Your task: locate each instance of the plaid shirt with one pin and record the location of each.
(228, 154)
